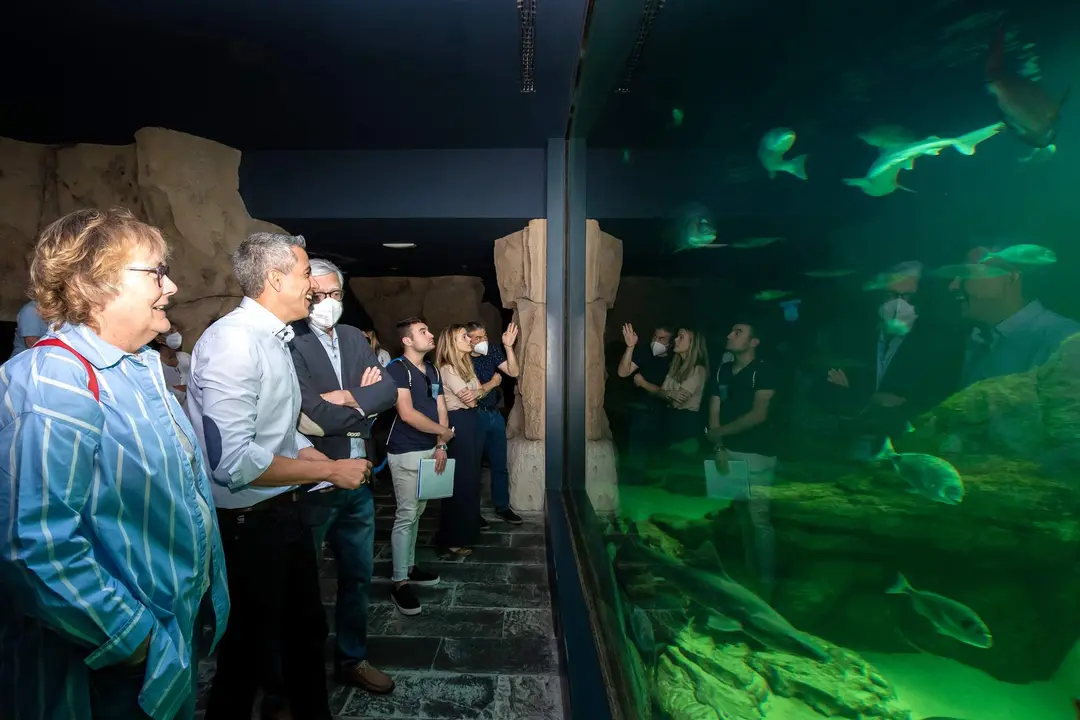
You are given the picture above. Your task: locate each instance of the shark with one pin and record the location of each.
(881, 178)
(728, 606)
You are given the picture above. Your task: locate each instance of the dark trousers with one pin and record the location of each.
(114, 690)
(351, 532)
(645, 438)
(277, 617)
(492, 428)
(459, 521)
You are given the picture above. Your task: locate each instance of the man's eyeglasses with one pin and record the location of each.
(160, 272)
(318, 297)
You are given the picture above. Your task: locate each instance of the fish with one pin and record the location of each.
(771, 151)
(755, 242)
(949, 617)
(1023, 255)
(881, 178)
(766, 295)
(929, 476)
(888, 136)
(1027, 108)
(677, 116)
(695, 229)
(728, 606)
(829, 273)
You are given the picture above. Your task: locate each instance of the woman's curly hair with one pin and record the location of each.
(79, 261)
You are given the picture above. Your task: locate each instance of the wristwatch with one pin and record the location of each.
(444, 448)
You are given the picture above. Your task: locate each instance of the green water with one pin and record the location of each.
(779, 607)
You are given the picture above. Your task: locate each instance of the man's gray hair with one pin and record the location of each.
(260, 253)
(319, 266)
(909, 268)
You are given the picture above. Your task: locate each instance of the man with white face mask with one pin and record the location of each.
(342, 389)
(646, 367)
(911, 369)
(175, 365)
(490, 363)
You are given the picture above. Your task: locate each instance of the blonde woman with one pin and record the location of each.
(459, 523)
(380, 352)
(684, 387)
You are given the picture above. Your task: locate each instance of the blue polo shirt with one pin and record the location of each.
(485, 367)
(425, 387)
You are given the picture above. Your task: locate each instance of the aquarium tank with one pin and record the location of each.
(832, 358)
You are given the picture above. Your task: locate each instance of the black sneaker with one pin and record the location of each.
(404, 600)
(423, 578)
(509, 516)
(484, 524)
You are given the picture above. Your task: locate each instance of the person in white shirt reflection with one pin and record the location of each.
(175, 365)
(244, 402)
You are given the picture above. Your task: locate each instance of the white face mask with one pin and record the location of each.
(481, 348)
(326, 313)
(174, 340)
(659, 349)
(898, 315)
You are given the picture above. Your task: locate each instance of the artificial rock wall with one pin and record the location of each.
(185, 185)
(520, 266)
(439, 300)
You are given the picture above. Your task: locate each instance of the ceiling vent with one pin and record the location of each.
(648, 17)
(527, 22)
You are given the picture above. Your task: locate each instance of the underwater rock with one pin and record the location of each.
(1032, 416)
(700, 678)
(1008, 552)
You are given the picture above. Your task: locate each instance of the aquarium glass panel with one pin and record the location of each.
(832, 358)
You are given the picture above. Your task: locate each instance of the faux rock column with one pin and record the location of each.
(520, 266)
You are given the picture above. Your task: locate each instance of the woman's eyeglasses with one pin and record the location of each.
(318, 297)
(159, 272)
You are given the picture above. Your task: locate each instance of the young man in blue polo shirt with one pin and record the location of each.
(420, 431)
(488, 361)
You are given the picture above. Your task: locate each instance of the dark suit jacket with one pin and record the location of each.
(924, 371)
(316, 375)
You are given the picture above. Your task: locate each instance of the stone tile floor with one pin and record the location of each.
(484, 646)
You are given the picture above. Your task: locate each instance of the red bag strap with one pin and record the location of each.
(91, 383)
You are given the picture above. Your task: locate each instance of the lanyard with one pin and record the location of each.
(886, 352)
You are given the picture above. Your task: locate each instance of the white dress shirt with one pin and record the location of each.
(244, 401)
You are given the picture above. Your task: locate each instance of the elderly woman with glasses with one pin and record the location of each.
(110, 557)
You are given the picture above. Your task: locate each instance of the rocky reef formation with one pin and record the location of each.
(682, 665)
(185, 185)
(697, 678)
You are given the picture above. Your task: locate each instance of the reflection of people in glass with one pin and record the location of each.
(1013, 331)
(683, 389)
(741, 429)
(912, 370)
(647, 368)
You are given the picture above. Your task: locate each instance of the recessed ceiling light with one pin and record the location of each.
(399, 246)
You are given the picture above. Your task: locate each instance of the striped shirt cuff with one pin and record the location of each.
(124, 644)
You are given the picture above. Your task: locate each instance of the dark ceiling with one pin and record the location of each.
(292, 74)
(447, 246)
(262, 74)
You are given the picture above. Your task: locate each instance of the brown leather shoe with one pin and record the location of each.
(366, 677)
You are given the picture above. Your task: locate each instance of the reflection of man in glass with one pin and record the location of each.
(647, 368)
(740, 427)
(1013, 331)
(912, 370)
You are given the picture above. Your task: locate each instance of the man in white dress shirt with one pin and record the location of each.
(244, 401)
